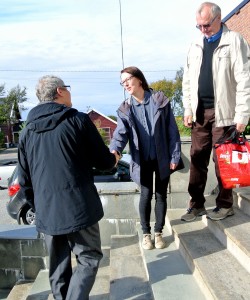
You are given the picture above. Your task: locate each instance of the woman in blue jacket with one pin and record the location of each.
(146, 121)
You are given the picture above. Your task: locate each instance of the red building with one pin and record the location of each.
(239, 19)
(103, 122)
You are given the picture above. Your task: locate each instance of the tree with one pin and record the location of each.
(173, 90)
(103, 135)
(11, 103)
(10, 106)
(113, 117)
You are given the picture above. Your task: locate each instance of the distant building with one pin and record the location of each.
(103, 122)
(239, 19)
(11, 128)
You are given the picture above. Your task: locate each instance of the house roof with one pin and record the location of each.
(96, 111)
(235, 10)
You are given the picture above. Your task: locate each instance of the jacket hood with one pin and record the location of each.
(46, 116)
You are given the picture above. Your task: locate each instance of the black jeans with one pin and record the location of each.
(204, 136)
(86, 245)
(148, 168)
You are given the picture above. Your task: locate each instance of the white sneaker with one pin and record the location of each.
(159, 242)
(146, 242)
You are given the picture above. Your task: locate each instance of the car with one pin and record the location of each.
(6, 169)
(18, 207)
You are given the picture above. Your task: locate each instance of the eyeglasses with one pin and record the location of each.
(206, 26)
(68, 87)
(126, 80)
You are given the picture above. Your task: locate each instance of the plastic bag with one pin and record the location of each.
(233, 156)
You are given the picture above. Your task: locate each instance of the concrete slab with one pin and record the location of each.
(20, 290)
(128, 279)
(217, 272)
(233, 233)
(13, 231)
(242, 199)
(41, 287)
(168, 273)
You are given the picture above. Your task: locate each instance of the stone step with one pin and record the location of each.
(128, 278)
(242, 199)
(234, 233)
(101, 286)
(20, 290)
(216, 270)
(40, 288)
(168, 273)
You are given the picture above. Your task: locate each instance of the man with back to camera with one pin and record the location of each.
(57, 150)
(216, 95)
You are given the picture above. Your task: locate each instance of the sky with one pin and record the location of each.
(88, 42)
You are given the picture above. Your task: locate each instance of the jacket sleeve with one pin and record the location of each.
(99, 153)
(174, 138)
(24, 176)
(120, 136)
(241, 67)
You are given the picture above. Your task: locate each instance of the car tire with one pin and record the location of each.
(28, 216)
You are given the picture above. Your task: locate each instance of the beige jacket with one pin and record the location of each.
(231, 79)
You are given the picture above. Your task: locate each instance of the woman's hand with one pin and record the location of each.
(173, 166)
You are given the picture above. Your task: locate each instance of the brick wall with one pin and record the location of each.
(240, 22)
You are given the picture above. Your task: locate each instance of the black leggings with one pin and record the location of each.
(148, 168)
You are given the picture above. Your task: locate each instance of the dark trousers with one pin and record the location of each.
(148, 169)
(86, 245)
(204, 135)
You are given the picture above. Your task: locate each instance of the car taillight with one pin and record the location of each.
(13, 189)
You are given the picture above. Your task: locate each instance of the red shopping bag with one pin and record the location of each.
(233, 156)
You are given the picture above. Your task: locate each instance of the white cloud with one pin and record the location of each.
(84, 35)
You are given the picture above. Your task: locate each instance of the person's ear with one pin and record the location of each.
(59, 91)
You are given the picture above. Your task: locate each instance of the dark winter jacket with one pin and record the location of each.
(57, 150)
(166, 134)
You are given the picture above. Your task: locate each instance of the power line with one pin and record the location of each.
(79, 71)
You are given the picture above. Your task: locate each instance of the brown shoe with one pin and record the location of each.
(159, 242)
(147, 242)
(192, 213)
(220, 213)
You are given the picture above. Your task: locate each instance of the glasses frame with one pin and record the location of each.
(68, 87)
(126, 80)
(206, 26)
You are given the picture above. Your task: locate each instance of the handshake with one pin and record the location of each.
(117, 155)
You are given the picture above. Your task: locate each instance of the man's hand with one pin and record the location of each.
(173, 166)
(188, 121)
(240, 127)
(117, 156)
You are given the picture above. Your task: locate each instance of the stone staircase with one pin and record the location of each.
(218, 253)
(204, 260)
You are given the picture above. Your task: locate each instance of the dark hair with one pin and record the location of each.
(138, 74)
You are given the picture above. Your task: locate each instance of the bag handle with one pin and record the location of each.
(231, 136)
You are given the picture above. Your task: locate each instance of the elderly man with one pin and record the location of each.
(216, 95)
(57, 150)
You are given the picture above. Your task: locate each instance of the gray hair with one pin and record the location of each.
(215, 9)
(46, 89)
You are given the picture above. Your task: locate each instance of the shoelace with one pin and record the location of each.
(189, 210)
(216, 209)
